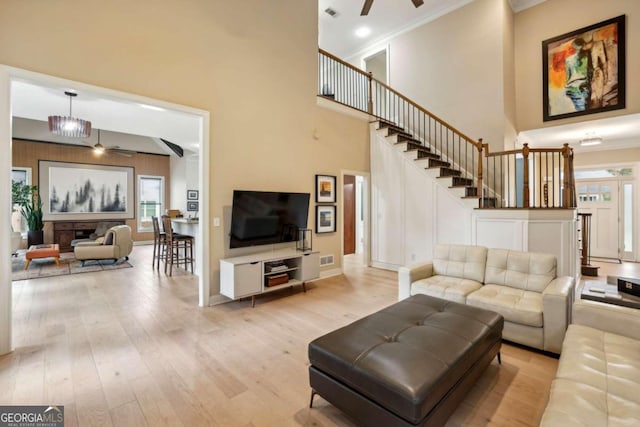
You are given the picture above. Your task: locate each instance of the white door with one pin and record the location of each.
(600, 198)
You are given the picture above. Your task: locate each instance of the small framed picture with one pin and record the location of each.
(192, 206)
(325, 219)
(192, 194)
(325, 189)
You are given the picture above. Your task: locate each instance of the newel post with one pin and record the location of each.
(479, 185)
(566, 194)
(370, 103)
(525, 178)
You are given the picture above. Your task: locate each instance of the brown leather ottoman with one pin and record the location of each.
(409, 364)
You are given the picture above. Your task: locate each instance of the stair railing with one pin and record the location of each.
(348, 85)
(501, 180)
(529, 178)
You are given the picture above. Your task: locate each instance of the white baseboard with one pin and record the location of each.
(142, 242)
(385, 266)
(330, 273)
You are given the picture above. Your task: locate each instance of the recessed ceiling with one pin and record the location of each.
(616, 132)
(36, 102)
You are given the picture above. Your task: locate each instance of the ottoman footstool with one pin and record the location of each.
(409, 364)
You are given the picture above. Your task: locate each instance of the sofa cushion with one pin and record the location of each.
(515, 305)
(465, 262)
(597, 381)
(445, 287)
(523, 270)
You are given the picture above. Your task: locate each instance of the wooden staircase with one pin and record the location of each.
(433, 162)
(520, 178)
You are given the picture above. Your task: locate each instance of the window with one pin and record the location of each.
(19, 175)
(151, 200)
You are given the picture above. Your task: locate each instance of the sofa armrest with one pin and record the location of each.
(557, 299)
(88, 243)
(408, 275)
(608, 317)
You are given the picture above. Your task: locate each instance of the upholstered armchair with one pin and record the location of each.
(116, 244)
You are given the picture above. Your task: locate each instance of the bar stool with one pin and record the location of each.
(159, 243)
(173, 243)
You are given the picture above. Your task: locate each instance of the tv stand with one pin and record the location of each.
(259, 273)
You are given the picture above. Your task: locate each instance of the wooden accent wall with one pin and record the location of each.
(27, 153)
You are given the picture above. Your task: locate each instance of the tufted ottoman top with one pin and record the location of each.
(409, 355)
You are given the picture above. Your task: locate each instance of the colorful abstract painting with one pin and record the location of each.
(584, 71)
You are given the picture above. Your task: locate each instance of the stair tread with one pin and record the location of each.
(414, 147)
(409, 139)
(397, 131)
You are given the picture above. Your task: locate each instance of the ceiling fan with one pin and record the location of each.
(368, 3)
(100, 149)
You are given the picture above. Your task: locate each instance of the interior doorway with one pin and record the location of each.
(355, 214)
(377, 65)
(9, 75)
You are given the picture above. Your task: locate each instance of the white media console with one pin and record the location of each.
(252, 275)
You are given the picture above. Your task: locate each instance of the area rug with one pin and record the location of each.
(47, 267)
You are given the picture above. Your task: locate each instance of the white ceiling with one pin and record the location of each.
(386, 18)
(616, 133)
(37, 102)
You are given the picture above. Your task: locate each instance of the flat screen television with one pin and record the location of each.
(267, 217)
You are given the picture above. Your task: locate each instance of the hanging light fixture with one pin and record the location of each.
(98, 148)
(69, 125)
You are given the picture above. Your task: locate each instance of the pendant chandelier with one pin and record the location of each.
(68, 125)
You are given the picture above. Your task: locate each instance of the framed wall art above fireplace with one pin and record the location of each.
(79, 191)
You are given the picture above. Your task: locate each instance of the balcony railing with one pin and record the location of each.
(525, 178)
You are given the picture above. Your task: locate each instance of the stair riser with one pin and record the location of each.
(423, 155)
(458, 181)
(433, 163)
(449, 172)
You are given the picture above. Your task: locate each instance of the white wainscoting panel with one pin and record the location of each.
(387, 203)
(548, 231)
(453, 217)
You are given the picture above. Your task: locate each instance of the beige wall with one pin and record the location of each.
(556, 17)
(455, 67)
(509, 76)
(250, 63)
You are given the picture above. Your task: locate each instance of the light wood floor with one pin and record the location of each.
(130, 347)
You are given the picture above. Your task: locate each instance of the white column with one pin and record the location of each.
(6, 311)
(204, 231)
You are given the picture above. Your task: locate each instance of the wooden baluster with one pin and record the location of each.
(525, 180)
(566, 194)
(479, 185)
(370, 105)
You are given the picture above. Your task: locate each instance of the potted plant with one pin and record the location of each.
(28, 199)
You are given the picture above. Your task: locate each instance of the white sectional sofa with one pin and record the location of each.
(521, 286)
(598, 378)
